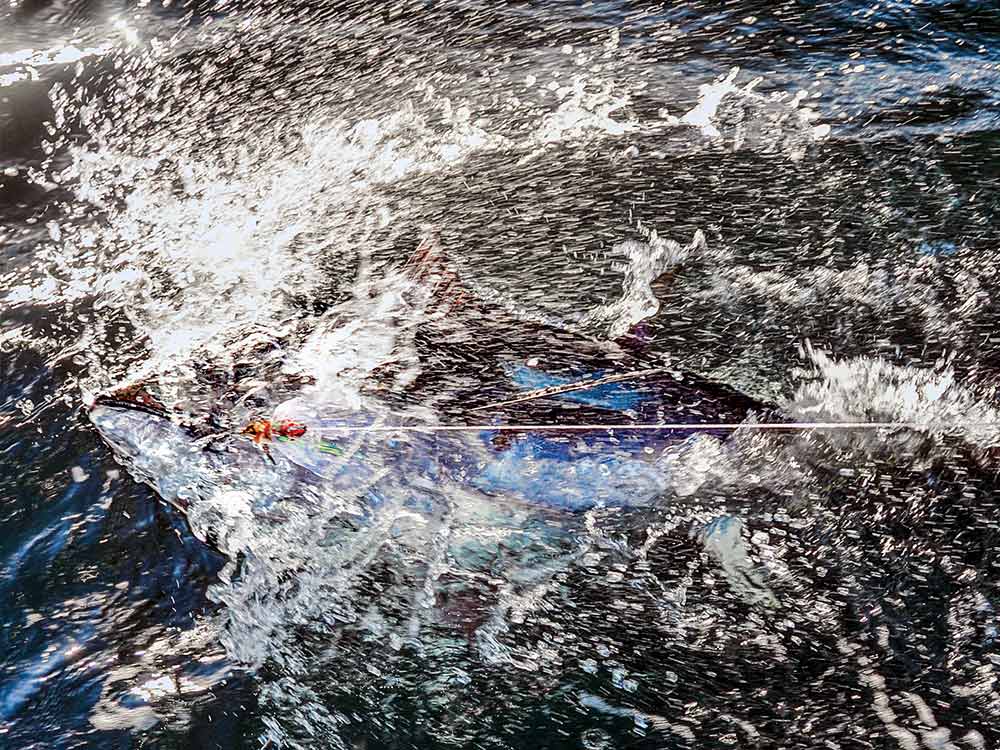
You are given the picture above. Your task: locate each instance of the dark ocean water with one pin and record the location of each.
(169, 174)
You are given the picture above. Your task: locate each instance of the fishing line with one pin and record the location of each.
(688, 426)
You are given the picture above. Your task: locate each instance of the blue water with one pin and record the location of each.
(877, 241)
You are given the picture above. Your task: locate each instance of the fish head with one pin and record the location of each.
(154, 447)
(222, 480)
(173, 420)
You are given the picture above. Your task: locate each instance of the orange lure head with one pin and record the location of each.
(264, 429)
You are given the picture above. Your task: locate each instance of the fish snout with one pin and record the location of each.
(135, 396)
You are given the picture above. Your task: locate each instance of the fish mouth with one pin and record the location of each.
(137, 400)
(135, 397)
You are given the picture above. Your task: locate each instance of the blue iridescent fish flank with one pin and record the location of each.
(611, 396)
(603, 468)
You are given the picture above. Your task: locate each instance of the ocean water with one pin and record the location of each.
(206, 192)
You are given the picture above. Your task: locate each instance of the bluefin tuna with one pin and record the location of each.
(514, 410)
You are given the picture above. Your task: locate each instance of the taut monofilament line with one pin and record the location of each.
(688, 426)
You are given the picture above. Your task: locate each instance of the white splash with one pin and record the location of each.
(710, 96)
(198, 250)
(371, 330)
(744, 118)
(584, 111)
(871, 389)
(646, 261)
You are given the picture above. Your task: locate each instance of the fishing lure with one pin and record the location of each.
(264, 430)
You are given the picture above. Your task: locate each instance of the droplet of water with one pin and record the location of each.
(595, 739)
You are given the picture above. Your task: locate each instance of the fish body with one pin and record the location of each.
(541, 458)
(501, 407)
